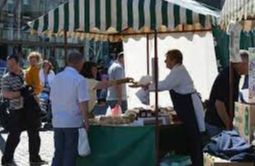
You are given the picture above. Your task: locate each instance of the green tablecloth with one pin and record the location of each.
(120, 146)
(124, 146)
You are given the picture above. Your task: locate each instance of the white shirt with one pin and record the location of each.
(116, 71)
(180, 81)
(50, 76)
(68, 89)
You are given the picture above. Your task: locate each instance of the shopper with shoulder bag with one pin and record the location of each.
(13, 89)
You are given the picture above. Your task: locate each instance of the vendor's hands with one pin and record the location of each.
(145, 87)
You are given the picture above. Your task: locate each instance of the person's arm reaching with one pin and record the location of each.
(105, 84)
(222, 112)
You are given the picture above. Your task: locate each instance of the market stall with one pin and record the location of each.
(116, 20)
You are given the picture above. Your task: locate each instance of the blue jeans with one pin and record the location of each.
(66, 143)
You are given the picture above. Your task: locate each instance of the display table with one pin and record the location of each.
(129, 146)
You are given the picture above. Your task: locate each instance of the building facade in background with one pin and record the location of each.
(16, 39)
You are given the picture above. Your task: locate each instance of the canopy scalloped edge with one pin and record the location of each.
(113, 36)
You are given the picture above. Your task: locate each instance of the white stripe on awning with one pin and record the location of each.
(61, 18)
(92, 13)
(51, 20)
(71, 15)
(41, 24)
(183, 19)
(147, 14)
(102, 15)
(136, 15)
(113, 14)
(195, 17)
(81, 14)
(170, 10)
(124, 14)
(158, 12)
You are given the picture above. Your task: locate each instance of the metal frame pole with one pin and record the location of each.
(65, 45)
(156, 94)
(148, 54)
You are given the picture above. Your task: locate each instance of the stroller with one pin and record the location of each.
(45, 105)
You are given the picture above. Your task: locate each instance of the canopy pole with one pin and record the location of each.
(231, 85)
(156, 94)
(148, 54)
(65, 46)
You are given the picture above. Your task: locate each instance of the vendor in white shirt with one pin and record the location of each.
(186, 102)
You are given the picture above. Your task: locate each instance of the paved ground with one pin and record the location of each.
(21, 156)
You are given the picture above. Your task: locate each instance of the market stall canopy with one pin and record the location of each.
(104, 17)
(237, 10)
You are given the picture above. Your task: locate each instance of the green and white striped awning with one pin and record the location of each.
(237, 10)
(118, 16)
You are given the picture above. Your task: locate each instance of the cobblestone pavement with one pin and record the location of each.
(21, 156)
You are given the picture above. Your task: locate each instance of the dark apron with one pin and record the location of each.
(184, 108)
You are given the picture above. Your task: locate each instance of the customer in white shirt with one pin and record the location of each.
(89, 71)
(69, 97)
(117, 95)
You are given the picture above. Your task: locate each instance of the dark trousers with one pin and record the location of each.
(15, 127)
(66, 143)
(196, 152)
(185, 110)
(13, 141)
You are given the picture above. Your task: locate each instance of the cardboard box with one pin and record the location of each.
(251, 75)
(210, 160)
(244, 120)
